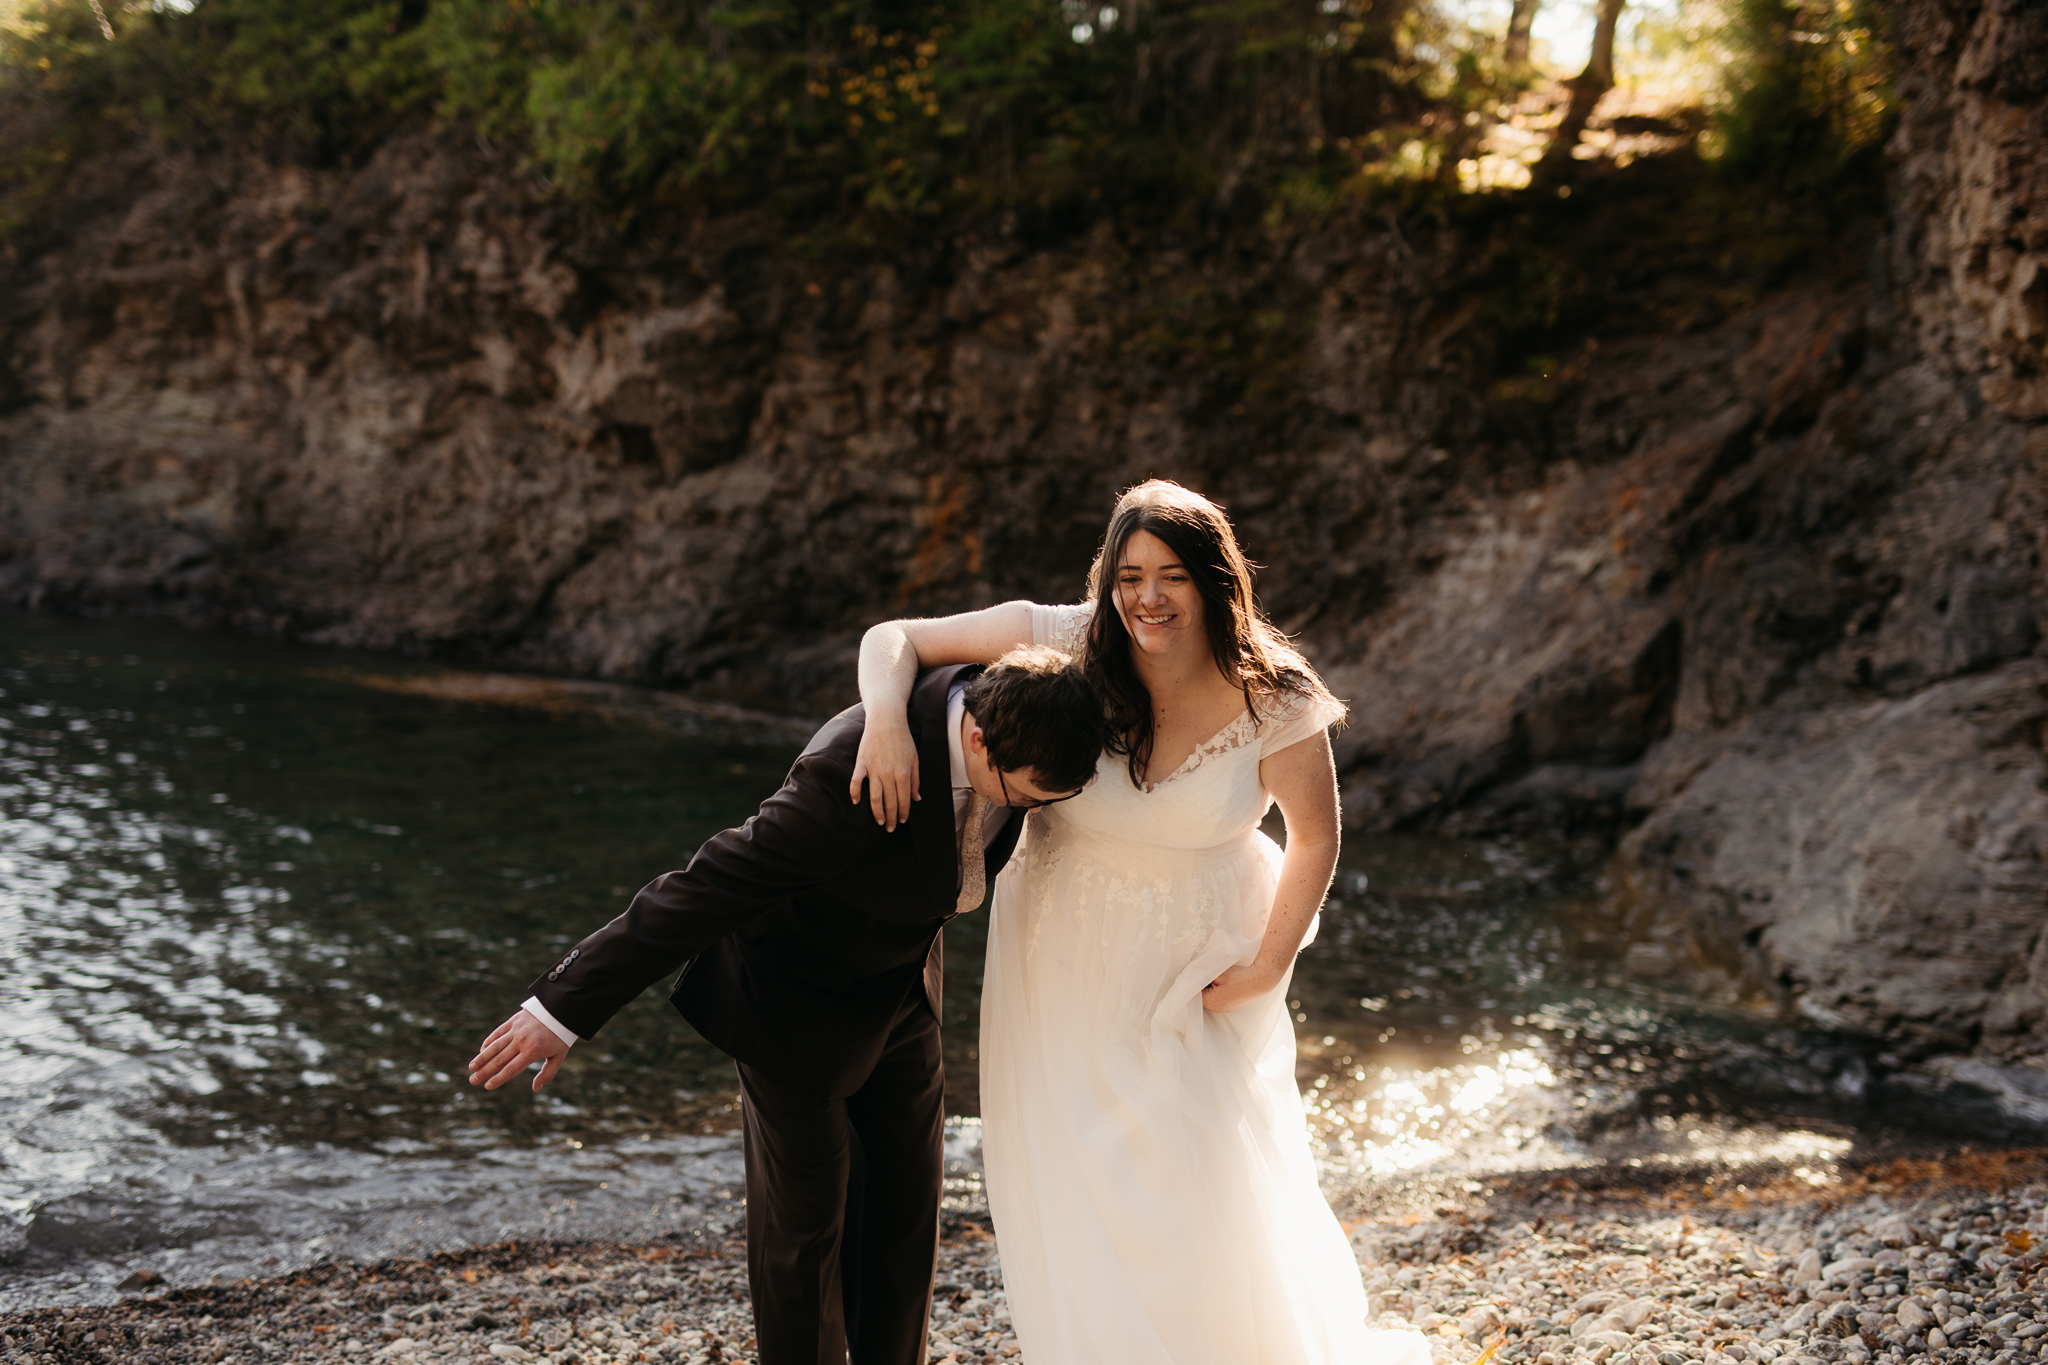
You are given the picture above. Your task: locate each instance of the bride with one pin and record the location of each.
(1147, 1157)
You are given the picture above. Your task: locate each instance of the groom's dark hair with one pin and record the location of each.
(1037, 710)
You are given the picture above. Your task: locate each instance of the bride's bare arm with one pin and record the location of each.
(1303, 780)
(890, 656)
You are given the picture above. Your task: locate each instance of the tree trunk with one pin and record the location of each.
(1520, 21)
(1587, 88)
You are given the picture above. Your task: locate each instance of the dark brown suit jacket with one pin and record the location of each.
(802, 933)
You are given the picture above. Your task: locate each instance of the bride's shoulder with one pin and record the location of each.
(1063, 627)
(1300, 706)
(1279, 707)
(1289, 704)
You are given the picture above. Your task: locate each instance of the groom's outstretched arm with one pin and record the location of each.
(804, 837)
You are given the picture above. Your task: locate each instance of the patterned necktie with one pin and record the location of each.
(973, 863)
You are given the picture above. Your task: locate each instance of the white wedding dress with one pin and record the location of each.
(1147, 1162)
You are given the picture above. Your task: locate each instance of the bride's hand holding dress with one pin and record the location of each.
(1302, 780)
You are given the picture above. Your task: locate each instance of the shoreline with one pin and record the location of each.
(1945, 1258)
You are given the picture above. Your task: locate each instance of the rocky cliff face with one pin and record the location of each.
(1872, 841)
(1757, 591)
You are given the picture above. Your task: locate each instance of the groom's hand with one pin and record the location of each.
(513, 1046)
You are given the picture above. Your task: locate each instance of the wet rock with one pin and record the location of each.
(1821, 854)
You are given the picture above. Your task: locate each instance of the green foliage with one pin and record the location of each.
(627, 105)
(42, 137)
(858, 116)
(305, 78)
(868, 109)
(1809, 91)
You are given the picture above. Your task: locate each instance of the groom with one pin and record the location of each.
(808, 941)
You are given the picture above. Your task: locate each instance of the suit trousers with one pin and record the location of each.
(843, 1207)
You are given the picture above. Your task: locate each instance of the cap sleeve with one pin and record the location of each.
(1289, 718)
(1063, 627)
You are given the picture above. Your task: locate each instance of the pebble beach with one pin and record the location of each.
(1944, 1259)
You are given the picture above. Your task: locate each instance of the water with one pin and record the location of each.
(1465, 1012)
(259, 903)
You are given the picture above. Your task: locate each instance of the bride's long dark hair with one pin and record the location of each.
(1247, 647)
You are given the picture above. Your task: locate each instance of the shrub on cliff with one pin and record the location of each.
(890, 107)
(1809, 103)
(862, 114)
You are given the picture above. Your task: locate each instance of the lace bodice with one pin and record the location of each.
(1213, 799)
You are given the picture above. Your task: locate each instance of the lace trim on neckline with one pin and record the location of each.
(1235, 735)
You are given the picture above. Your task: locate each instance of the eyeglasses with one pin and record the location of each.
(1029, 802)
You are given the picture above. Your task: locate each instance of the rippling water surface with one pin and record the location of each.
(258, 903)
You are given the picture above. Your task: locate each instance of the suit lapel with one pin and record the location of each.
(931, 819)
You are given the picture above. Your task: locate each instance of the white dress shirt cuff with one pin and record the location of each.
(539, 1011)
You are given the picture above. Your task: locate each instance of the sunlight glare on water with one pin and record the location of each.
(1404, 1119)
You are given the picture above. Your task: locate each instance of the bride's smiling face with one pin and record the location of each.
(1157, 597)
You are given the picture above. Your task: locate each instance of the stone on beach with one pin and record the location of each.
(1625, 1278)
(1870, 1280)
